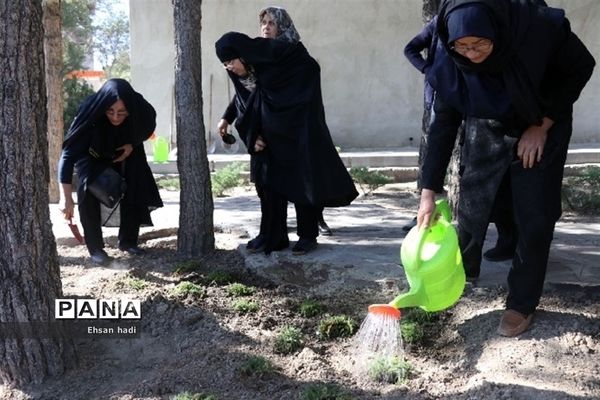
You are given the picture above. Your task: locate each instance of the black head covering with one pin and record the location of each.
(141, 118)
(252, 50)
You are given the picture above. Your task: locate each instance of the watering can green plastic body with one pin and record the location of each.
(160, 148)
(433, 264)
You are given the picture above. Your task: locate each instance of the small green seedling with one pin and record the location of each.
(186, 267)
(219, 278)
(413, 325)
(325, 392)
(239, 289)
(227, 177)
(193, 396)
(337, 326)
(389, 370)
(245, 306)
(368, 180)
(310, 308)
(137, 283)
(171, 184)
(288, 340)
(257, 366)
(185, 289)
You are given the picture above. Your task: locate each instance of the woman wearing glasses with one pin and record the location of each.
(108, 131)
(512, 70)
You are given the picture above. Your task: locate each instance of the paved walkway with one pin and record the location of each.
(365, 246)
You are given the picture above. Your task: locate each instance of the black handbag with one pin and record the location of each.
(109, 187)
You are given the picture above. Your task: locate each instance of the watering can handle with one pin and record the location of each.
(442, 210)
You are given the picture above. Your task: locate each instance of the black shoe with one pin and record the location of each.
(100, 257)
(410, 225)
(324, 228)
(257, 244)
(133, 250)
(303, 246)
(497, 254)
(284, 244)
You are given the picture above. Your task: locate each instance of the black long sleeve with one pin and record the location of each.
(422, 41)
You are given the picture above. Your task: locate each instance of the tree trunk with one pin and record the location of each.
(53, 53)
(29, 271)
(196, 232)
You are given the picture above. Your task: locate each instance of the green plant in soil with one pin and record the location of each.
(245, 306)
(137, 283)
(414, 324)
(368, 181)
(337, 326)
(193, 396)
(257, 366)
(239, 289)
(389, 370)
(581, 193)
(186, 288)
(227, 177)
(288, 340)
(168, 183)
(310, 308)
(325, 392)
(219, 278)
(185, 267)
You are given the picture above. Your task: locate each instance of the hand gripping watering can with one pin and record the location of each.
(433, 266)
(160, 148)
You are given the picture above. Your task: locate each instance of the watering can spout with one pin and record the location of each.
(414, 298)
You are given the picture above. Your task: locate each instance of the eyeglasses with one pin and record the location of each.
(117, 114)
(479, 47)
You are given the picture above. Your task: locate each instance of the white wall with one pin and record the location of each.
(372, 95)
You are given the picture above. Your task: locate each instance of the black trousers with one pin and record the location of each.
(89, 214)
(273, 221)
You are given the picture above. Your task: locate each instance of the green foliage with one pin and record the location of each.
(74, 92)
(325, 392)
(168, 183)
(337, 326)
(193, 396)
(137, 283)
(310, 308)
(288, 340)
(186, 288)
(219, 278)
(413, 325)
(368, 180)
(185, 267)
(257, 366)
(389, 370)
(245, 306)
(581, 194)
(227, 177)
(111, 39)
(239, 289)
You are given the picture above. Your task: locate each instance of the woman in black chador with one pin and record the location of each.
(512, 69)
(281, 119)
(108, 131)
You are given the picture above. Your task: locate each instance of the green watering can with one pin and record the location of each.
(433, 266)
(160, 148)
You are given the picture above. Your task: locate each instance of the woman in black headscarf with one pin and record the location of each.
(108, 131)
(280, 117)
(512, 69)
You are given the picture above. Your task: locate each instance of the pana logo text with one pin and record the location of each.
(97, 309)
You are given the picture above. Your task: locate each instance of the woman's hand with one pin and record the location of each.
(66, 204)
(426, 208)
(222, 126)
(127, 149)
(260, 144)
(531, 145)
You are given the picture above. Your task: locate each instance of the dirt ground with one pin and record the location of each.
(199, 344)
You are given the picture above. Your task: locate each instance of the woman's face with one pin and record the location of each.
(476, 49)
(268, 28)
(236, 66)
(117, 113)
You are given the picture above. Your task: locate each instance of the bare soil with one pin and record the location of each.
(199, 344)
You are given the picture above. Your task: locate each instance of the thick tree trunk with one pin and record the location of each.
(53, 53)
(29, 272)
(196, 232)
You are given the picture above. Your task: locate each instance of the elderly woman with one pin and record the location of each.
(512, 70)
(108, 132)
(280, 117)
